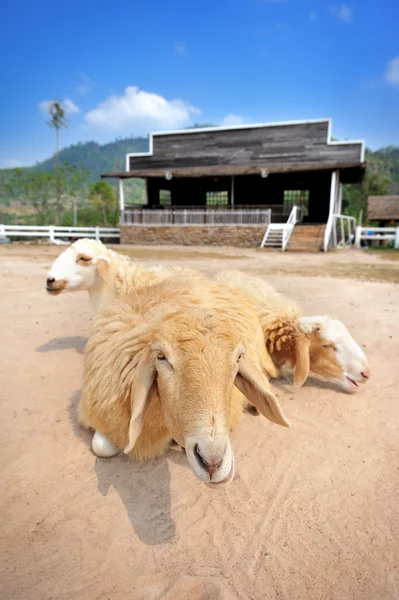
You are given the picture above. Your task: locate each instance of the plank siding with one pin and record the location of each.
(288, 144)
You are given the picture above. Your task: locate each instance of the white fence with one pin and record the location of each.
(343, 231)
(390, 234)
(55, 233)
(197, 217)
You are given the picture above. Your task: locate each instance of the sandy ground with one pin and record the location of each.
(311, 515)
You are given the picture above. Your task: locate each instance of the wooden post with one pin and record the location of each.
(121, 197)
(51, 233)
(396, 244)
(358, 233)
(97, 234)
(339, 204)
(330, 227)
(232, 192)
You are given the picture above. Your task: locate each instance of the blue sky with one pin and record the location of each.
(128, 67)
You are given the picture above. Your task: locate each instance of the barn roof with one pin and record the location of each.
(245, 150)
(383, 208)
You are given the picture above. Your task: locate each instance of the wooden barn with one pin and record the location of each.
(280, 184)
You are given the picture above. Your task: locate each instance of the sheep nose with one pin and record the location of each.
(50, 280)
(366, 373)
(211, 463)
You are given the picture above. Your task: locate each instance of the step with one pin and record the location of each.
(307, 238)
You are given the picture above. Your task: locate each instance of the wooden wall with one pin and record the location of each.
(276, 145)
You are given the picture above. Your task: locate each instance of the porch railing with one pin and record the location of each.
(196, 217)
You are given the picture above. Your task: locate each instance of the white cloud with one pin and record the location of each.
(10, 163)
(68, 105)
(140, 110)
(392, 72)
(232, 119)
(86, 84)
(313, 17)
(342, 11)
(180, 48)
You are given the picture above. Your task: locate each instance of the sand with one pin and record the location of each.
(312, 513)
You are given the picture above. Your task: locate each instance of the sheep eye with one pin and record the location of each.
(84, 258)
(161, 356)
(329, 346)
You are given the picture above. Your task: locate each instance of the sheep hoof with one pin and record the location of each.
(102, 447)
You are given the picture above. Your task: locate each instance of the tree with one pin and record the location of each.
(102, 196)
(354, 199)
(57, 121)
(73, 182)
(32, 188)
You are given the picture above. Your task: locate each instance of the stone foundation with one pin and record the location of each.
(193, 235)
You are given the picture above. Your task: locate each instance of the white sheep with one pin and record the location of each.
(89, 265)
(298, 344)
(174, 362)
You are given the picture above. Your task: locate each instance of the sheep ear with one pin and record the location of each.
(102, 269)
(302, 361)
(141, 388)
(253, 385)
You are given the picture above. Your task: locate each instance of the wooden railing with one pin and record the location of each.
(196, 217)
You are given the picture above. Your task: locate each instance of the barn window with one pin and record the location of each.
(298, 197)
(217, 198)
(165, 197)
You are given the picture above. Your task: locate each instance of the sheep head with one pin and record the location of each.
(333, 353)
(79, 267)
(193, 361)
(321, 345)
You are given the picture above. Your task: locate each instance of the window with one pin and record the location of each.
(298, 197)
(217, 198)
(165, 197)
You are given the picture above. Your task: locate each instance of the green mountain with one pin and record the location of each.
(98, 158)
(386, 161)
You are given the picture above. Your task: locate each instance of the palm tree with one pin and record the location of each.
(57, 121)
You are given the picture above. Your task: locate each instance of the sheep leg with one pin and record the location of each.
(102, 446)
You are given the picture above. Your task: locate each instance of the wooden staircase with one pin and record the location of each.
(306, 238)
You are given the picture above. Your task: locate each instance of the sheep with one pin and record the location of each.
(89, 265)
(168, 364)
(298, 344)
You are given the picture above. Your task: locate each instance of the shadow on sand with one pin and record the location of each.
(75, 342)
(144, 487)
(286, 385)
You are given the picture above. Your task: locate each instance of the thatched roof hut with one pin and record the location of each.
(383, 208)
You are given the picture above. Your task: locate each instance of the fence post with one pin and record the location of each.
(396, 245)
(2, 231)
(97, 234)
(51, 233)
(358, 233)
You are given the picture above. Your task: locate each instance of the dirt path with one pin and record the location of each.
(311, 515)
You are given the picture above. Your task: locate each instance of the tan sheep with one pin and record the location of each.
(89, 265)
(170, 364)
(298, 344)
